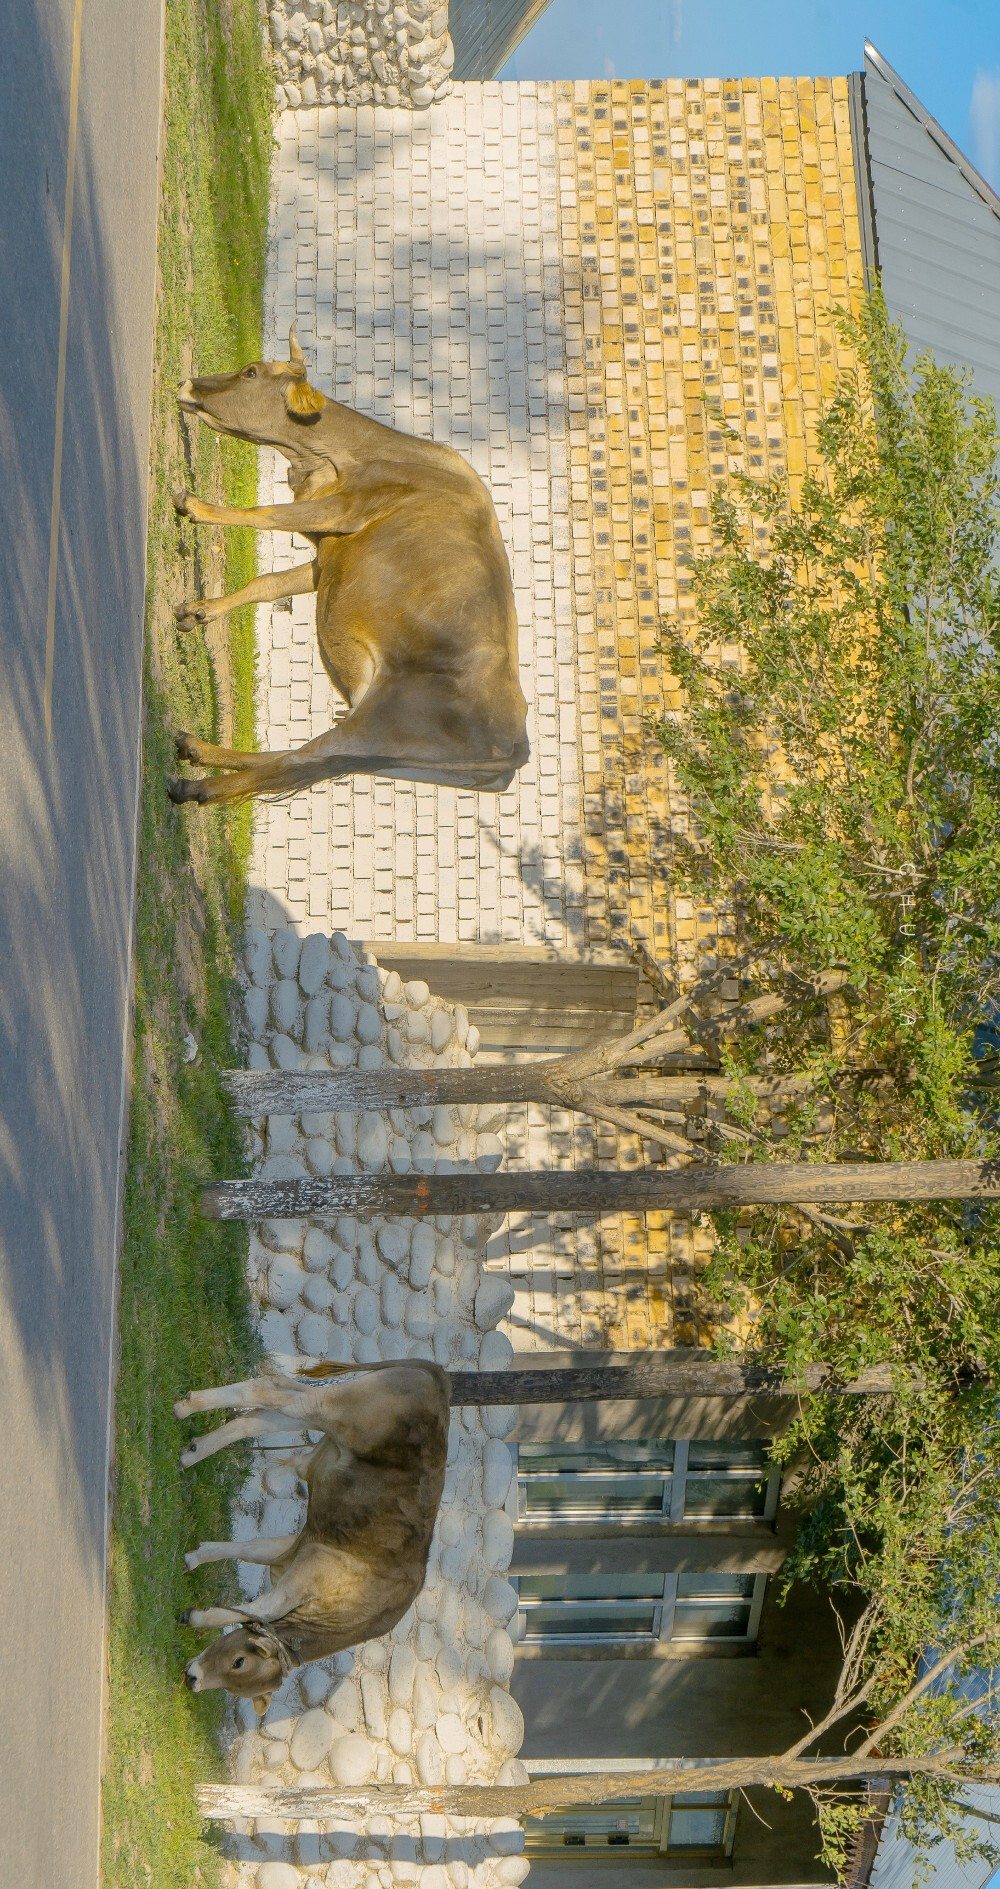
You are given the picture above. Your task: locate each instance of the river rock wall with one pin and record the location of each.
(429, 1701)
(361, 52)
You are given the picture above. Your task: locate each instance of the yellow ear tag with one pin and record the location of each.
(302, 400)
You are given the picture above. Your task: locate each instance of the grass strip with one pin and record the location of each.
(184, 1311)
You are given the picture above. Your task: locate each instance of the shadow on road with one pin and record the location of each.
(66, 805)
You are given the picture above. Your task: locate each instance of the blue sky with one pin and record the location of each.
(948, 52)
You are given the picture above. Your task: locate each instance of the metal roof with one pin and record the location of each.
(933, 227)
(484, 33)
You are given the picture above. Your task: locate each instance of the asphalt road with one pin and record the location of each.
(75, 362)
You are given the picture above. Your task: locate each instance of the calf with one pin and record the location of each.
(414, 602)
(374, 1484)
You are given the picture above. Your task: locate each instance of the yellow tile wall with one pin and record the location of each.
(708, 232)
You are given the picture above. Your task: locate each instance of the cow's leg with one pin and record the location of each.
(288, 1592)
(262, 1552)
(237, 1431)
(297, 582)
(207, 754)
(252, 1393)
(216, 1616)
(390, 732)
(341, 509)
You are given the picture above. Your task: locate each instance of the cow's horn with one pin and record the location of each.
(295, 354)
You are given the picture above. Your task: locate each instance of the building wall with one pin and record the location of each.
(676, 1703)
(553, 279)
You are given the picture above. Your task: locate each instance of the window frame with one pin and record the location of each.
(659, 1848)
(663, 1633)
(674, 1493)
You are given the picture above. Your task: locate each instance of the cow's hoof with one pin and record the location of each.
(188, 616)
(185, 745)
(184, 1617)
(181, 791)
(181, 500)
(191, 1560)
(182, 1407)
(188, 1455)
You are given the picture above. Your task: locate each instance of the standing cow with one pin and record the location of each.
(414, 601)
(360, 1559)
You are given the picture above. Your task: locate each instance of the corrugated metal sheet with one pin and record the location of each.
(894, 1864)
(936, 229)
(484, 33)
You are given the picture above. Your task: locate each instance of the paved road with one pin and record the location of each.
(74, 390)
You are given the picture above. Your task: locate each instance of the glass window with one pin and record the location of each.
(584, 1607)
(591, 1586)
(713, 1606)
(725, 1478)
(553, 1458)
(689, 1824)
(699, 1821)
(581, 1481)
(592, 1607)
(632, 1479)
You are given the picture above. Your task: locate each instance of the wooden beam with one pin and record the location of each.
(684, 1371)
(596, 1191)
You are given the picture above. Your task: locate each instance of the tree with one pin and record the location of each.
(843, 768)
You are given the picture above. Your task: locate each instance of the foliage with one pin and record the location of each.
(840, 746)
(841, 749)
(183, 1310)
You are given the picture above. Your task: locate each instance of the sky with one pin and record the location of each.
(947, 51)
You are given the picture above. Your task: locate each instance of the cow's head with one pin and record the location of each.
(267, 401)
(250, 1662)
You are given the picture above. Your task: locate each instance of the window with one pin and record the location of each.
(639, 1609)
(692, 1824)
(634, 1481)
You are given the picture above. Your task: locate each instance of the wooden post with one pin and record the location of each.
(596, 1191)
(617, 1376)
(294, 1092)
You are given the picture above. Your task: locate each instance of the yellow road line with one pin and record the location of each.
(57, 452)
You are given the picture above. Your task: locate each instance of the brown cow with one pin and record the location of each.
(360, 1559)
(414, 602)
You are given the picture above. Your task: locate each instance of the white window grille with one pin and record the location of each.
(589, 1609)
(634, 1481)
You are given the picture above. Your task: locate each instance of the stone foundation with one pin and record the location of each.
(361, 52)
(427, 1703)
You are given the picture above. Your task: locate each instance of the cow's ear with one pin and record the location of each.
(261, 1703)
(303, 401)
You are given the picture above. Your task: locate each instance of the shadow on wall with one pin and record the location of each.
(66, 804)
(310, 1849)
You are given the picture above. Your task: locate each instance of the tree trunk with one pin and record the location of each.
(295, 1804)
(595, 1191)
(684, 1372)
(294, 1092)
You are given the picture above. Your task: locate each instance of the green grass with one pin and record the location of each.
(184, 1312)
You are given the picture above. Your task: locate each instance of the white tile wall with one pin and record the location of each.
(420, 254)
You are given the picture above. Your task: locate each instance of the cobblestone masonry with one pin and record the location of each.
(429, 1700)
(360, 52)
(553, 278)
